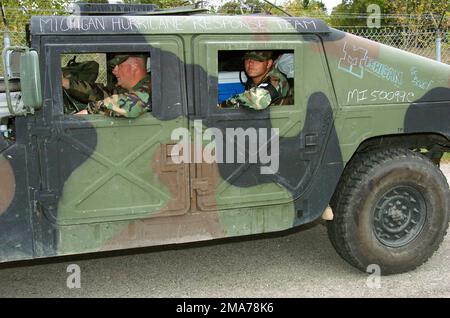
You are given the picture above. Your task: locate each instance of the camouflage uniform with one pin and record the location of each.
(271, 91)
(117, 101)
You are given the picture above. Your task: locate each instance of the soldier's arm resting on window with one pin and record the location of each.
(257, 98)
(130, 105)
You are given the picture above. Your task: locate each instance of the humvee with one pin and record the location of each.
(360, 143)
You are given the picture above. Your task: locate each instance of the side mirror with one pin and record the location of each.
(30, 79)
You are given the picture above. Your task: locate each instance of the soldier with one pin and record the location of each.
(130, 98)
(265, 85)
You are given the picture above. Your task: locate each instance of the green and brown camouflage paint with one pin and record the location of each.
(72, 184)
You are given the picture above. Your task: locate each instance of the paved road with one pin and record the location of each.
(299, 263)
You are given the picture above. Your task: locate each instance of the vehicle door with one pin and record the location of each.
(295, 134)
(96, 168)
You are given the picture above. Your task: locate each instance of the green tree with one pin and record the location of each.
(420, 14)
(247, 7)
(412, 14)
(16, 13)
(354, 12)
(93, 1)
(163, 3)
(307, 8)
(231, 7)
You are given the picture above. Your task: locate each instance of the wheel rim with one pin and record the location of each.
(399, 216)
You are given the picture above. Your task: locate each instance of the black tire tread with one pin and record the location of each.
(353, 176)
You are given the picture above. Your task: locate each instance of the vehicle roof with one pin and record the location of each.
(76, 25)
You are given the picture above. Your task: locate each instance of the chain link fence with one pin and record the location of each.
(420, 42)
(99, 58)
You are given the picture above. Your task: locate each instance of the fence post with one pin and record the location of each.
(438, 46)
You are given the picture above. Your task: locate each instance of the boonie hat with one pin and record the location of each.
(258, 55)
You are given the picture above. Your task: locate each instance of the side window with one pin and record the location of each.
(240, 70)
(72, 59)
(93, 77)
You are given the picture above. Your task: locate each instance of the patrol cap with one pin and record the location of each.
(258, 55)
(120, 58)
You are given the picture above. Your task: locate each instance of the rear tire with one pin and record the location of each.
(391, 208)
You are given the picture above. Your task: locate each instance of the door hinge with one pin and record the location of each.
(47, 198)
(200, 185)
(42, 131)
(311, 143)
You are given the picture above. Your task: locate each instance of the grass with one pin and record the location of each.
(446, 157)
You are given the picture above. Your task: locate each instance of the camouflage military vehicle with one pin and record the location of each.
(363, 135)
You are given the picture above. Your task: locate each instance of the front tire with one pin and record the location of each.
(391, 209)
